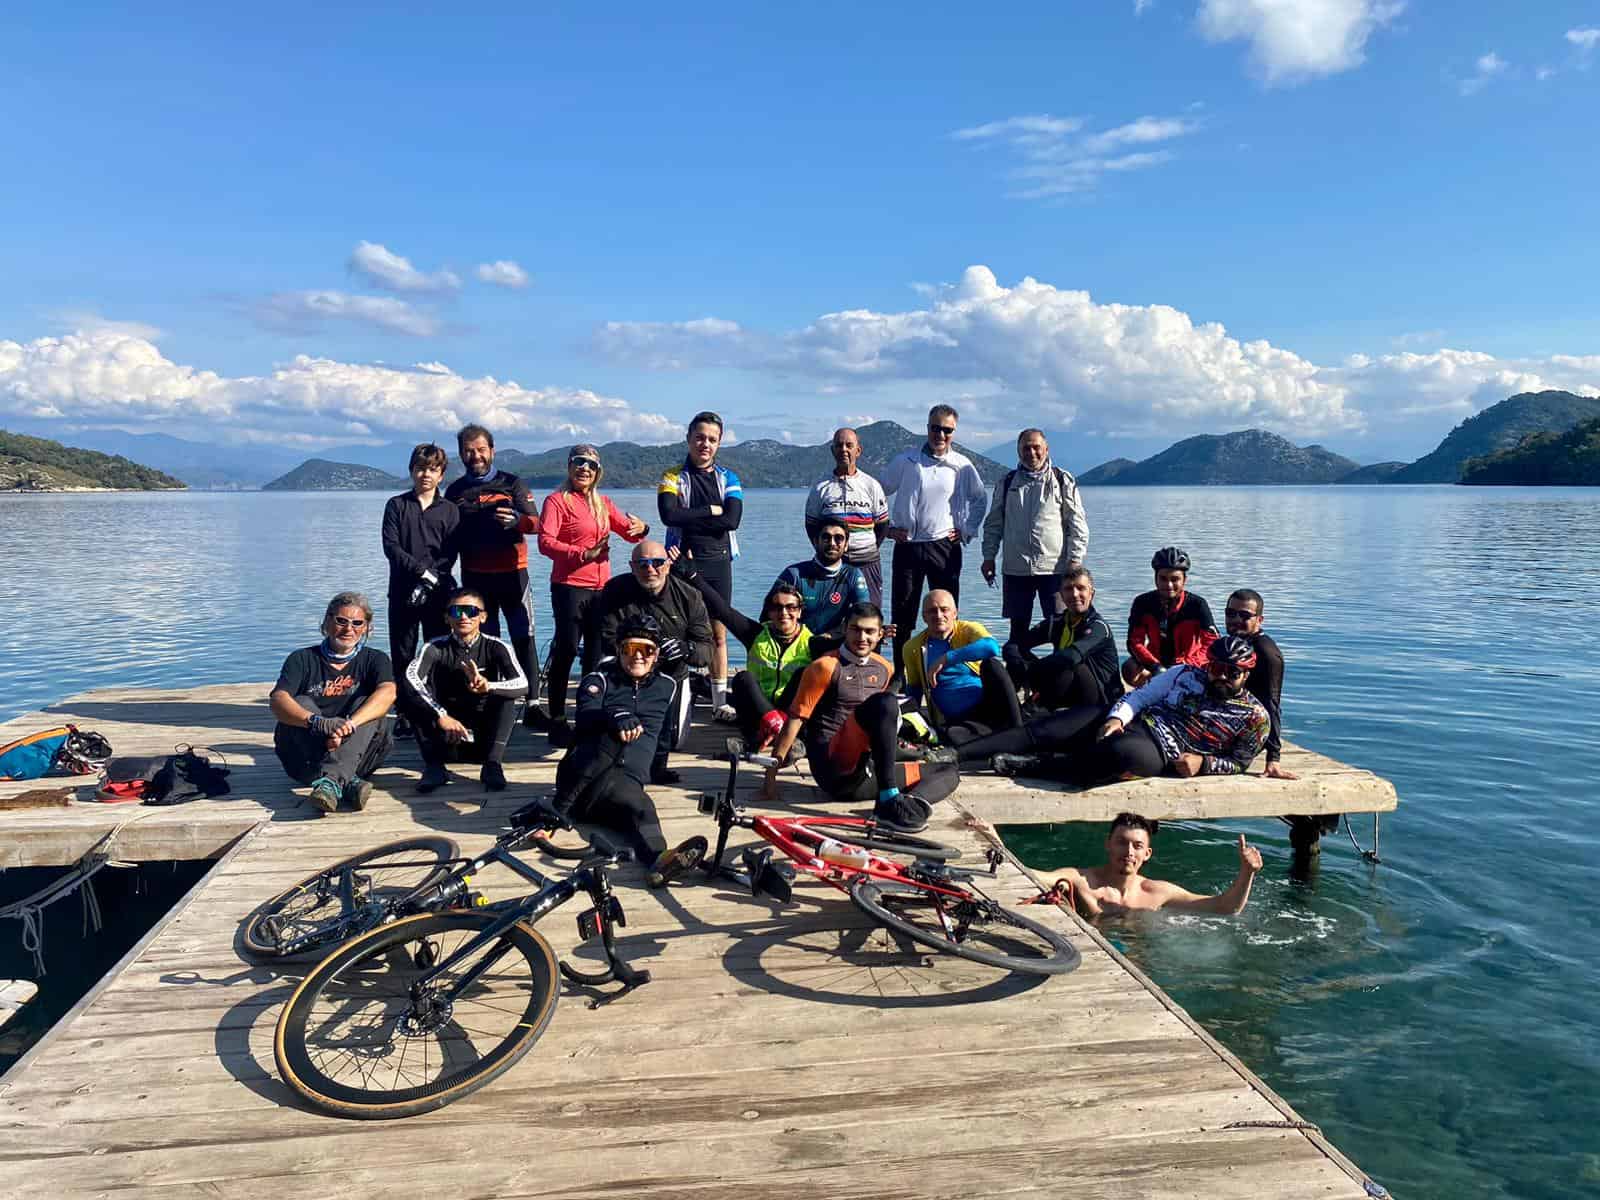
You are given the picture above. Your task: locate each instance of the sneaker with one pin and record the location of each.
(434, 777)
(676, 861)
(1015, 764)
(940, 756)
(534, 717)
(725, 714)
(402, 729)
(905, 813)
(357, 792)
(560, 734)
(665, 776)
(493, 777)
(325, 794)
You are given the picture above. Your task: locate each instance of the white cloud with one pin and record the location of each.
(110, 378)
(1099, 367)
(1483, 70)
(1542, 73)
(1298, 39)
(1584, 39)
(1059, 158)
(299, 311)
(503, 273)
(1140, 7)
(383, 268)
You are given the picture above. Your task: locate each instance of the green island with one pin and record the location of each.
(1570, 459)
(31, 464)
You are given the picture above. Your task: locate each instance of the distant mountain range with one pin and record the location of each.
(1541, 459)
(763, 463)
(32, 464)
(1499, 427)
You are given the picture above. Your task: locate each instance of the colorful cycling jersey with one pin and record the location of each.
(832, 688)
(486, 545)
(1160, 638)
(826, 593)
(685, 497)
(1185, 717)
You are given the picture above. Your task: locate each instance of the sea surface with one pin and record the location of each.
(1436, 1015)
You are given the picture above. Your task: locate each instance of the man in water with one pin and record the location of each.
(464, 688)
(852, 496)
(829, 584)
(1118, 887)
(1244, 616)
(1168, 625)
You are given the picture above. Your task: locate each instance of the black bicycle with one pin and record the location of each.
(416, 1012)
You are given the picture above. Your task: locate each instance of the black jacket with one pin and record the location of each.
(1266, 685)
(679, 611)
(417, 539)
(484, 543)
(606, 698)
(1092, 643)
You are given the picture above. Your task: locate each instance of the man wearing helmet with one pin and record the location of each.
(622, 707)
(1168, 625)
(1189, 721)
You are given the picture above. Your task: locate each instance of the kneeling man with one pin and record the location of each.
(466, 685)
(332, 701)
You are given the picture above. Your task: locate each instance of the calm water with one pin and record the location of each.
(1435, 1015)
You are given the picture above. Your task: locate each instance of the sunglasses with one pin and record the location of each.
(349, 623)
(1225, 670)
(942, 430)
(1240, 614)
(580, 463)
(833, 537)
(790, 607)
(457, 611)
(637, 648)
(653, 564)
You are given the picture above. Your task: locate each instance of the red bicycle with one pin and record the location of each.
(928, 900)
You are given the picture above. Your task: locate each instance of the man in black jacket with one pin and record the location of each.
(1244, 616)
(622, 708)
(1081, 667)
(650, 589)
(462, 692)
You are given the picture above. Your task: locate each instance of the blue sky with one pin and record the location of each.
(1351, 221)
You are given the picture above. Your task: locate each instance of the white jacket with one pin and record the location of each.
(1040, 522)
(930, 496)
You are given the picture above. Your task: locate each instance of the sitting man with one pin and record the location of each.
(778, 649)
(622, 707)
(1082, 667)
(849, 721)
(465, 687)
(958, 665)
(1189, 720)
(1244, 618)
(828, 584)
(1169, 625)
(332, 701)
(674, 604)
(1118, 887)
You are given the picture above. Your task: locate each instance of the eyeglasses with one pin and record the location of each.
(650, 564)
(941, 431)
(1222, 670)
(349, 622)
(457, 611)
(833, 537)
(638, 648)
(1240, 614)
(581, 464)
(790, 607)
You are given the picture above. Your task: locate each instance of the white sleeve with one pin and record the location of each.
(1153, 692)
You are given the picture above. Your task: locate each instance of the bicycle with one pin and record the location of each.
(928, 900)
(416, 1012)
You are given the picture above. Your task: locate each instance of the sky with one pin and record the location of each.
(1353, 222)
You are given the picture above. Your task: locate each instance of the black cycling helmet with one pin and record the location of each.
(639, 627)
(1235, 651)
(1168, 558)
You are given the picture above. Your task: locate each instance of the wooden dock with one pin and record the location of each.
(779, 1051)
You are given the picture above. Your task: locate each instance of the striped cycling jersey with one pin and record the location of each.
(1185, 717)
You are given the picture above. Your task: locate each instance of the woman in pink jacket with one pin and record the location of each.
(575, 529)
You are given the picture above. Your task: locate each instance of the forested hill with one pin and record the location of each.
(320, 475)
(32, 464)
(1249, 456)
(1570, 459)
(1499, 427)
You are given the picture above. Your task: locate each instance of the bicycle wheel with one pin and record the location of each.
(314, 909)
(364, 1037)
(844, 829)
(971, 926)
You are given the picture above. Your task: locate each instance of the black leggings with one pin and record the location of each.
(491, 727)
(937, 564)
(593, 788)
(997, 709)
(751, 703)
(1054, 684)
(506, 592)
(880, 716)
(1068, 738)
(569, 616)
(403, 623)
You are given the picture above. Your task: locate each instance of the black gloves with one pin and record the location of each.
(672, 654)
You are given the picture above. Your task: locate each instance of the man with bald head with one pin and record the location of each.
(856, 500)
(958, 666)
(649, 589)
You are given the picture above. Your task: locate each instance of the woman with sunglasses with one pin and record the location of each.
(331, 701)
(575, 528)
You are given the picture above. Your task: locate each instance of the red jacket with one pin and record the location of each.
(566, 529)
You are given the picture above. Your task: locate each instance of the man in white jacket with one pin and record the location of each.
(1038, 520)
(936, 506)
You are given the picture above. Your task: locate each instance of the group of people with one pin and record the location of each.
(885, 711)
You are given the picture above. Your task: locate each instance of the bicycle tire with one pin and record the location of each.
(843, 829)
(328, 1021)
(262, 940)
(1020, 944)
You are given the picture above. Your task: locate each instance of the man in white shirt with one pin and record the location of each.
(938, 507)
(852, 497)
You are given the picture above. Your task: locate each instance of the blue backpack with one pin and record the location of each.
(35, 754)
